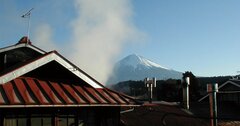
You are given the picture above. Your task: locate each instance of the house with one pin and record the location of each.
(229, 92)
(228, 101)
(39, 88)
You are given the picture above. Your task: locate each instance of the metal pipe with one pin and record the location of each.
(129, 110)
(186, 83)
(212, 89)
(214, 109)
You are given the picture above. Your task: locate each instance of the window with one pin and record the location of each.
(22, 121)
(10, 122)
(66, 120)
(87, 118)
(36, 121)
(41, 120)
(15, 121)
(62, 121)
(81, 122)
(47, 121)
(71, 121)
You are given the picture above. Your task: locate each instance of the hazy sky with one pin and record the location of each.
(202, 36)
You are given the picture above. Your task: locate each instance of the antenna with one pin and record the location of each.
(28, 15)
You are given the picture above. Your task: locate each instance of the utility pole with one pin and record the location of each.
(212, 90)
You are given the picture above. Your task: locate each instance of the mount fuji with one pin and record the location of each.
(136, 67)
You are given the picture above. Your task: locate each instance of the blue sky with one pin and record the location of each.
(199, 36)
(185, 35)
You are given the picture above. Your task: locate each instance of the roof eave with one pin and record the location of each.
(75, 105)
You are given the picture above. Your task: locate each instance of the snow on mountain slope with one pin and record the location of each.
(135, 67)
(134, 60)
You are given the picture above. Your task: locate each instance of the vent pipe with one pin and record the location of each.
(150, 84)
(186, 83)
(212, 90)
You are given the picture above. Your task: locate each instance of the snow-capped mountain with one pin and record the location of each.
(137, 61)
(135, 67)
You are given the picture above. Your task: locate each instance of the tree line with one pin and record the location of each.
(170, 89)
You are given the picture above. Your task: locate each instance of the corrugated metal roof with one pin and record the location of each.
(27, 91)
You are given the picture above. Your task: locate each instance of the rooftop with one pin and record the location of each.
(31, 77)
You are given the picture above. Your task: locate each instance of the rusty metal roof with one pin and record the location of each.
(32, 92)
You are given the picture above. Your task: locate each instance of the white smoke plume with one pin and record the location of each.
(42, 35)
(100, 31)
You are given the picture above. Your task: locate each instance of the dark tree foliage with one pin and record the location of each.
(170, 90)
(132, 88)
(167, 90)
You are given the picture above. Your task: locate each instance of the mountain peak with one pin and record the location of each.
(134, 60)
(136, 67)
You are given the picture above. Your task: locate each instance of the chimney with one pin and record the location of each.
(212, 90)
(150, 84)
(185, 85)
(24, 40)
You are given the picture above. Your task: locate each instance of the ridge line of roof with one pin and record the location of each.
(61, 60)
(22, 45)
